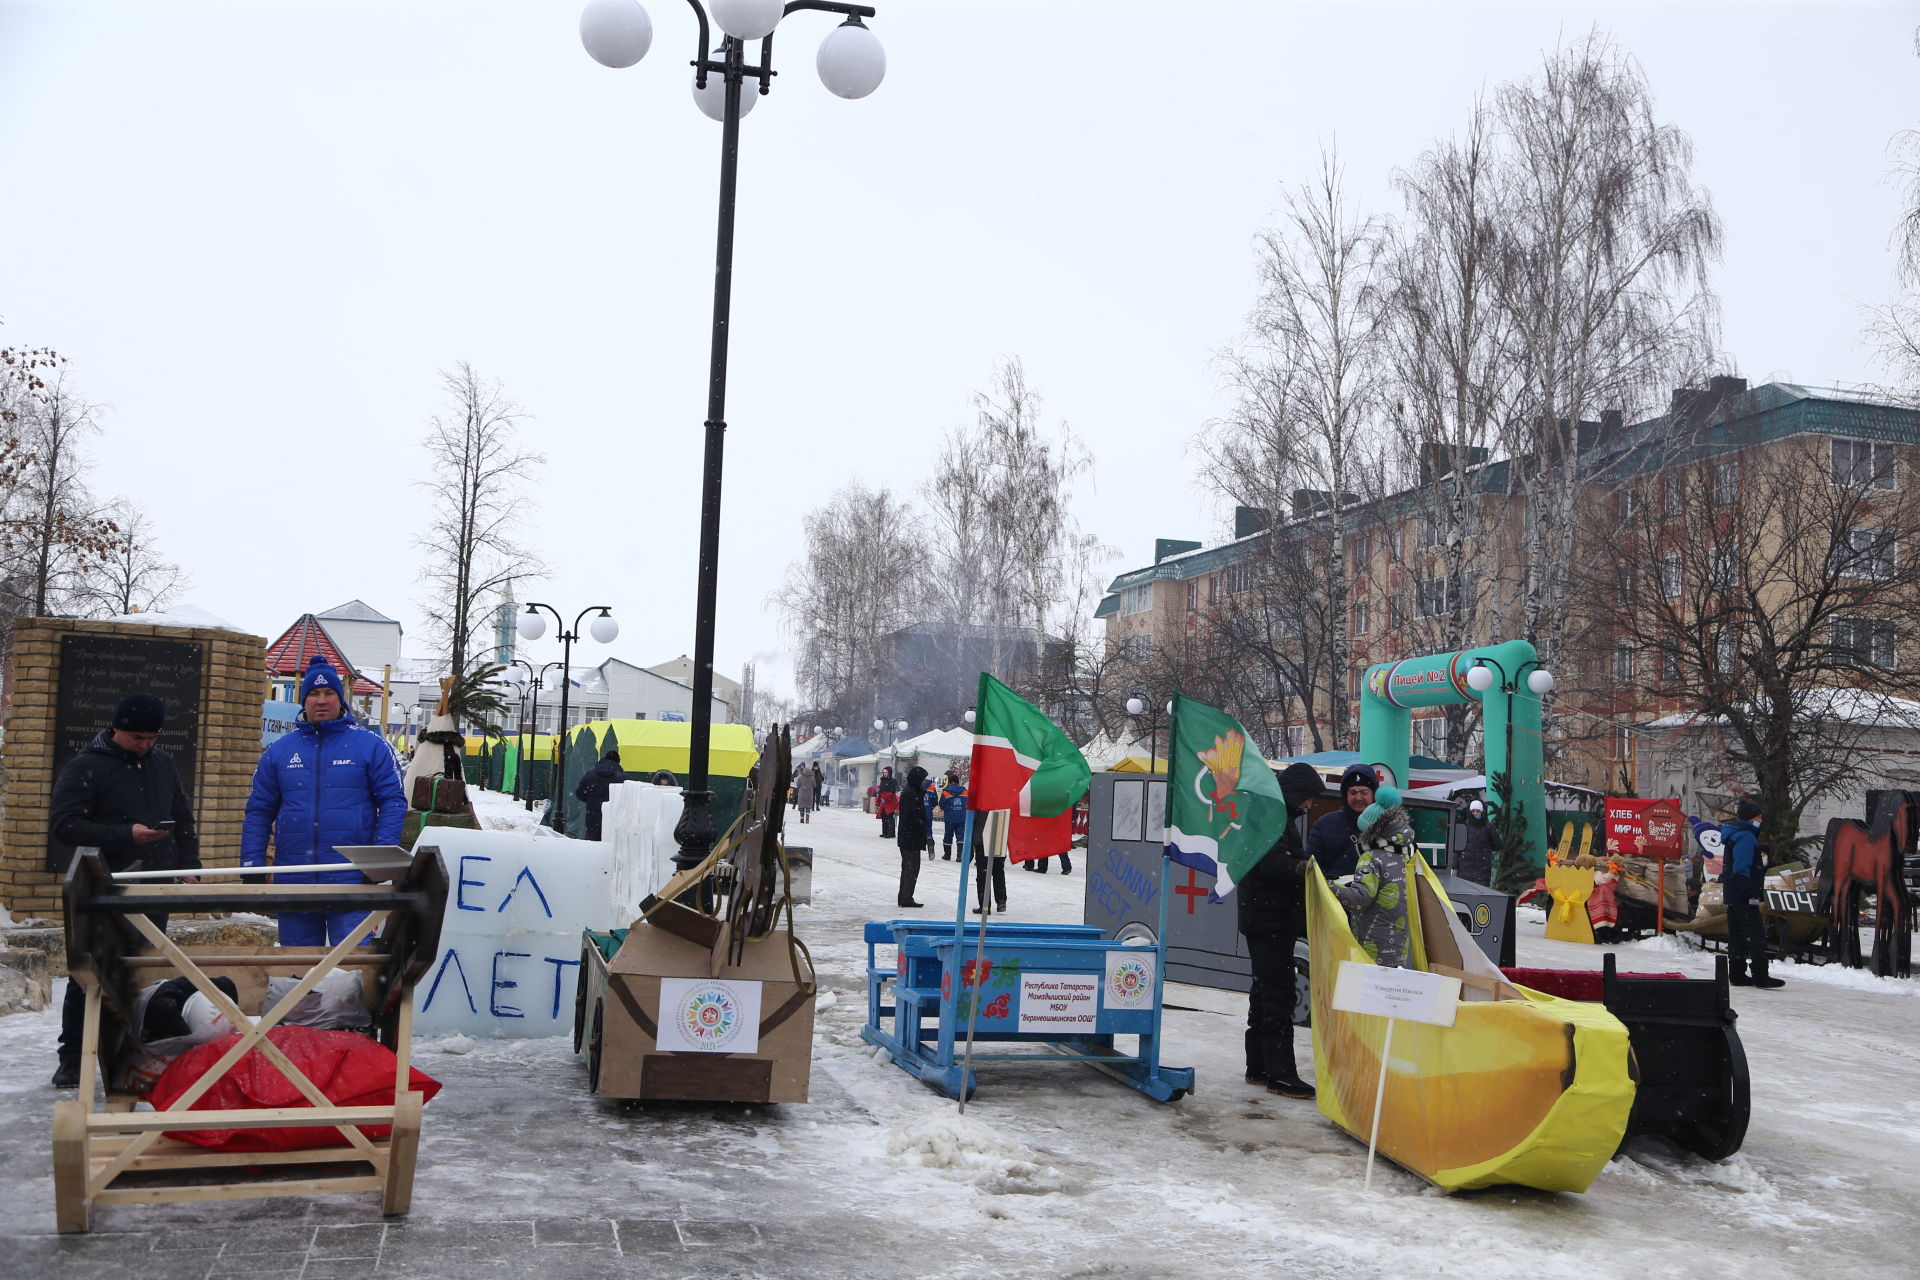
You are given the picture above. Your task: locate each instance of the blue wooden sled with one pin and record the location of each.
(1033, 992)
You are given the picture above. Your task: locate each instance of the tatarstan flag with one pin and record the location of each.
(1024, 764)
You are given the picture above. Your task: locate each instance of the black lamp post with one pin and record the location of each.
(532, 627)
(617, 33)
(532, 683)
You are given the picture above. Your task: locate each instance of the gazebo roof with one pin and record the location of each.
(288, 655)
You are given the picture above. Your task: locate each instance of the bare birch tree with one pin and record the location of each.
(478, 490)
(54, 530)
(861, 576)
(1605, 244)
(1001, 503)
(129, 575)
(1308, 383)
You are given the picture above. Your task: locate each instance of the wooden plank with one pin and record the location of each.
(70, 1210)
(397, 1195)
(192, 1157)
(237, 1190)
(250, 1118)
(278, 960)
(240, 891)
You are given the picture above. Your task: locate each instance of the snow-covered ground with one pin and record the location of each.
(1056, 1171)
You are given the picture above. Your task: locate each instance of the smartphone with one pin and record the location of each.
(168, 825)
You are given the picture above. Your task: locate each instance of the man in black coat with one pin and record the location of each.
(124, 798)
(1331, 842)
(595, 786)
(1273, 917)
(914, 830)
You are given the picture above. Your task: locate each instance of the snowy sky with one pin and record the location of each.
(259, 229)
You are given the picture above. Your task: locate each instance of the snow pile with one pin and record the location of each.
(455, 1043)
(1839, 975)
(984, 1156)
(825, 1000)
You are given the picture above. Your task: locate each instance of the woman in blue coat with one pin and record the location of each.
(327, 783)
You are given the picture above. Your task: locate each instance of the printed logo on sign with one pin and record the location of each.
(1128, 981)
(710, 1016)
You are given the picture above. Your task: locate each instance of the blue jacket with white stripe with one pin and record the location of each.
(324, 784)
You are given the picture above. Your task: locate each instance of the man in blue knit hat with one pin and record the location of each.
(329, 782)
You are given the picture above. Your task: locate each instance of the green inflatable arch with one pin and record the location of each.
(1510, 714)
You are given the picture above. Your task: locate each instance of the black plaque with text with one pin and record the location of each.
(95, 673)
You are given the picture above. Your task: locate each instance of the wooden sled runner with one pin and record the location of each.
(122, 1156)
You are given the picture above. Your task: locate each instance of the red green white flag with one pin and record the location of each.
(1023, 763)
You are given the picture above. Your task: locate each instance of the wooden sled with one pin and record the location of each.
(122, 1156)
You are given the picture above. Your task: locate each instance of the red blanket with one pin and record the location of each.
(350, 1069)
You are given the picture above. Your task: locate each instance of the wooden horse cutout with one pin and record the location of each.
(1867, 858)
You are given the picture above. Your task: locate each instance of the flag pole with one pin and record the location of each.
(960, 908)
(999, 839)
(1166, 874)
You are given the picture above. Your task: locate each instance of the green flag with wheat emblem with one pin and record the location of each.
(1224, 808)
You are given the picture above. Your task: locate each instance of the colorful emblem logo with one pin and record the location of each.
(1129, 981)
(710, 1016)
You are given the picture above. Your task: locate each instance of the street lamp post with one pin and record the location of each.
(532, 626)
(617, 33)
(1136, 707)
(530, 682)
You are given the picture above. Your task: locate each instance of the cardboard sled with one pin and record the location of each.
(733, 1032)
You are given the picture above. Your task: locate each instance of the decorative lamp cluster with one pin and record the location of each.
(851, 63)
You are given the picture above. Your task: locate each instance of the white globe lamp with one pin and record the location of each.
(712, 100)
(1135, 707)
(748, 19)
(1541, 681)
(615, 33)
(605, 628)
(532, 626)
(1479, 677)
(851, 62)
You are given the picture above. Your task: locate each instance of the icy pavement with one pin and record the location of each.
(1054, 1171)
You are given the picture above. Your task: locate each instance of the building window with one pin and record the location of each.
(1622, 743)
(1354, 676)
(1191, 649)
(1865, 642)
(1623, 663)
(1213, 588)
(1726, 651)
(1397, 544)
(1396, 613)
(1239, 577)
(1193, 595)
(1296, 739)
(1726, 482)
(1670, 662)
(1430, 737)
(1723, 570)
(1867, 553)
(1137, 648)
(1670, 576)
(1429, 529)
(1360, 618)
(1627, 579)
(1137, 598)
(1674, 488)
(1627, 503)
(1430, 597)
(1362, 553)
(1864, 463)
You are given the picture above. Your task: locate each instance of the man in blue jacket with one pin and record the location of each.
(329, 782)
(1331, 843)
(1741, 875)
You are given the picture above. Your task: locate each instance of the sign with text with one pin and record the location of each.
(706, 1015)
(95, 673)
(1407, 994)
(510, 940)
(1645, 828)
(1060, 1003)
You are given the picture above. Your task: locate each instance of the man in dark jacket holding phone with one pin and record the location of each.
(124, 798)
(1272, 908)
